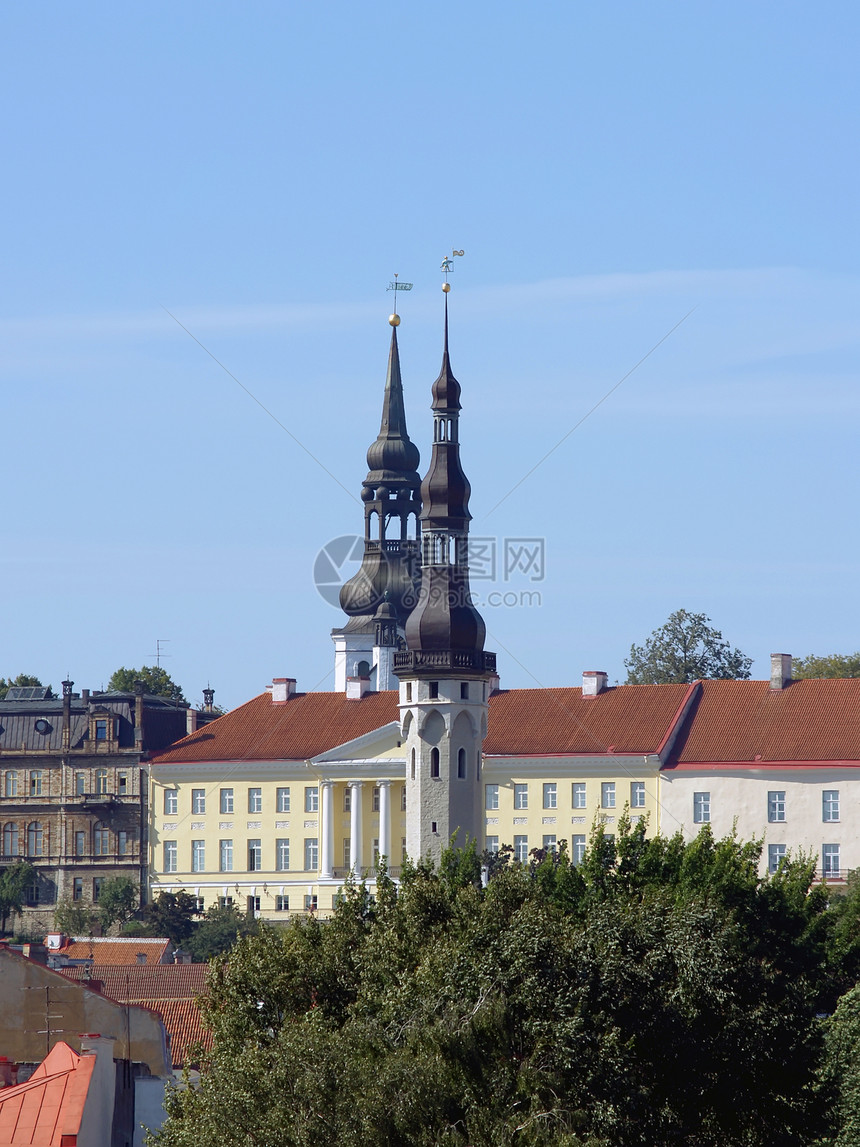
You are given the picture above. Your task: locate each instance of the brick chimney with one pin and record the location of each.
(593, 682)
(8, 1072)
(67, 714)
(780, 670)
(282, 689)
(138, 715)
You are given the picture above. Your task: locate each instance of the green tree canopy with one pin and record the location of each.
(661, 992)
(14, 882)
(686, 648)
(156, 681)
(118, 901)
(22, 679)
(173, 914)
(73, 917)
(218, 931)
(833, 665)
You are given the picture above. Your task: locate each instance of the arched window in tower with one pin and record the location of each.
(10, 839)
(34, 838)
(413, 764)
(434, 762)
(362, 669)
(461, 764)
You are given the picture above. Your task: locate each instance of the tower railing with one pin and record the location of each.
(445, 660)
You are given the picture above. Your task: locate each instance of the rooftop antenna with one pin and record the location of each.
(396, 286)
(159, 641)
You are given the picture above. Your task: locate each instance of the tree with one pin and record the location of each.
(156, 681)
(685, 649)
(833, 665)
(218, 931)
(661, 992)
(172, 914)
(118, 901)
(21, 679)
(14, 882)
(73, 917)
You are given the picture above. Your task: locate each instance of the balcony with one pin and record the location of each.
(444, 661)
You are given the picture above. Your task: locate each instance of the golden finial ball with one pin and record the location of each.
(446, 287)
(394, 320)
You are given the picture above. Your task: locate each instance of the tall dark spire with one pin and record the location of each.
(445, 630)
(390, 493)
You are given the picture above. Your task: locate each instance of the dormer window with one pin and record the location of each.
(101, 730)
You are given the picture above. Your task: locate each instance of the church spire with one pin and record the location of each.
(391, 498)
(445, 622)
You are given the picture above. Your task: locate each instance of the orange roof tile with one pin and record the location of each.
(308, 724)
(632, 718)
(744, 721)
(184, 1023)
(169, 989)
(138, 983)
(47, 1109)
(627, 719)
(116, 950)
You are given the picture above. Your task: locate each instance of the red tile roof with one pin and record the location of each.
(116, 949)
(140, 984)
(629, 719)
(744, 721)
(169, 989)
(633, 719)
(47, 1109)
(308, 724)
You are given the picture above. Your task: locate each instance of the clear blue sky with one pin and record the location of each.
(262, 170)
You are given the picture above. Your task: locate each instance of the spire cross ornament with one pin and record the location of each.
(447, 266)
(395, 286)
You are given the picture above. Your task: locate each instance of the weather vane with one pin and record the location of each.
(395, 285)
(448, 265)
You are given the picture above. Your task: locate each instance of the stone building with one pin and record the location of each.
(73, 792)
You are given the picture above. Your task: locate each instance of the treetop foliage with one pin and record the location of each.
(156, 681)
(6, 683)
(660, 992)
(14, 882)
(685, 648)
(833, 665)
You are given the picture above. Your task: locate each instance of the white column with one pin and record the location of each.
(355, 829)
(327, 830)
(385, 820)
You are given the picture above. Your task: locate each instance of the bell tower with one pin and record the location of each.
(379, 597)
(444, 671)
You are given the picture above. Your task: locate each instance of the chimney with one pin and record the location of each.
(85, 696)
(190, 720)
(282, 689)
(593, 682)
(780, 670)
(140, 957)
(67, 714)
(8, 1072)
(97, 1116)
(138, 715)
(356, 687)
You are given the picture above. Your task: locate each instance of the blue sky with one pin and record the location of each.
(262, 170)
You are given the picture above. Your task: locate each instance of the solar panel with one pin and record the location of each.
(28, 693)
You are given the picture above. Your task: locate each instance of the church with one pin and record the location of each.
(271, 806)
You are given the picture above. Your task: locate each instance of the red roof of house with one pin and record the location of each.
(169, 989)
(747, 721)
(116, 950)
(307, 724)
(631, 719)
(47, 1109)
